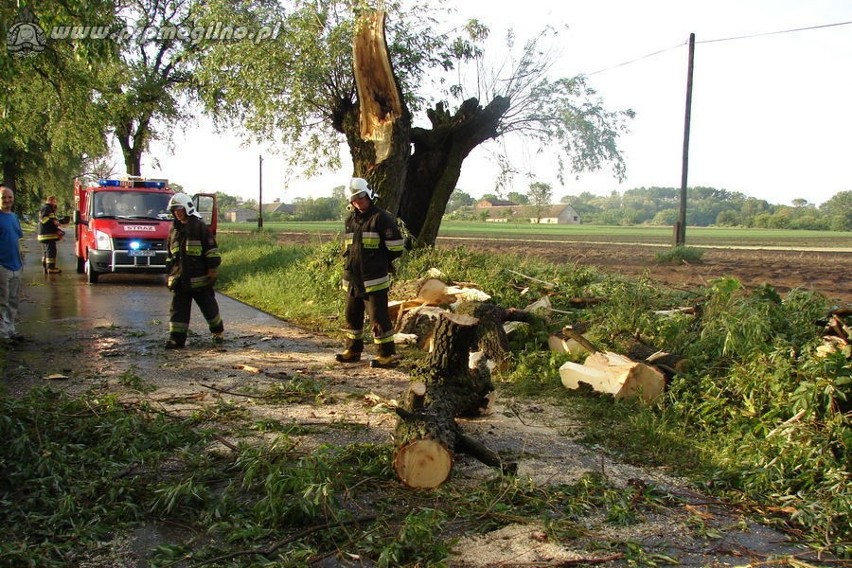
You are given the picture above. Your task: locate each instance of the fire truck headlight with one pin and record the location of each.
(102, 241)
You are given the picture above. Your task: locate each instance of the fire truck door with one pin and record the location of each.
(205, 203)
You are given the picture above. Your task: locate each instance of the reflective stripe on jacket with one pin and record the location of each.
(372, 241)
(48, 225)
(192, 251)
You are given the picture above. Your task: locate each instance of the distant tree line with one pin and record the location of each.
(640, 206)
(705, 206)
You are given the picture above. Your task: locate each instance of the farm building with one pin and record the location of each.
(562, 214)
(241, 215)
(278, 207)
(500, 211)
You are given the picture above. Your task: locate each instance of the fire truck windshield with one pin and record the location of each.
(131, 205)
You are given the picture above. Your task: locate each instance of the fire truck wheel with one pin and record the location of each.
(91, 274)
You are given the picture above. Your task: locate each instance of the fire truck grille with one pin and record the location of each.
(144, 244)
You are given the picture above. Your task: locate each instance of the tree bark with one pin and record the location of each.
(416, 186)
(427, 435)
(435, 165)
(133, 140)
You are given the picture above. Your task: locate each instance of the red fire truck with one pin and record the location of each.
(122, 225)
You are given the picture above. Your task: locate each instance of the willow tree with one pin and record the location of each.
(145, 92)
(298, 88)
(49, 127)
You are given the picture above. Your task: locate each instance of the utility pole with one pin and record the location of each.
(260, 192)
(680, 227)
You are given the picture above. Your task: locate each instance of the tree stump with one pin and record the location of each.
(427, 436)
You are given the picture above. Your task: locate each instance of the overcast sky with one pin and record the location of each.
(771, 110)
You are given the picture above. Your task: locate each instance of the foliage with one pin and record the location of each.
(50, 129)
(752, 367)
(74, 470)
(680, 254)
(707, 206)
(79, 472)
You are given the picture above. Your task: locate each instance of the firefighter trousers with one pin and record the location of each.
(181, 309)
(375, 305)
(48, 254)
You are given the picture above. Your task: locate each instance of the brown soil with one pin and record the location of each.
(821, 270)
(826, 272)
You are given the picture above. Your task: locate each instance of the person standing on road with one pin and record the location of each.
(372, 241)
(193, 260)
(11, 265)
(49, 233)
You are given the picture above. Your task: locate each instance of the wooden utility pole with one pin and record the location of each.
(680, 227)
(260, 192)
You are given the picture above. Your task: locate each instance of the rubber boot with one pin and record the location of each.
(352, 353)
(386, 358)
(176, 341)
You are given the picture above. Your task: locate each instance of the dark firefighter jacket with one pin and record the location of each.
(372, 241)
(192, 251)
(48, 225)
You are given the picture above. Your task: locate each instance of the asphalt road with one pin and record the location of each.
(54, 306)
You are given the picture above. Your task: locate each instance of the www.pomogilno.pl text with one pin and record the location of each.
(192, 34)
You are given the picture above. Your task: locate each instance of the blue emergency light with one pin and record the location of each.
(134, 245)
(154, 183)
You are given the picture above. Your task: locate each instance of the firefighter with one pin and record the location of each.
(193, 260)
(372, 241)
(49, 233)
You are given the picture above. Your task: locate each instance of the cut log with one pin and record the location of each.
(423, 463)
(434, 292)
(421, 322)
(396, 308)
(426, 435)
(614, 374)
(559, 344)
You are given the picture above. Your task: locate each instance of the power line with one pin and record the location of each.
(637, 59)
(821, 26)
(733, 38)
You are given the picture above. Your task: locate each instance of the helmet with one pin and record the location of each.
(358, 188)
(183, 200)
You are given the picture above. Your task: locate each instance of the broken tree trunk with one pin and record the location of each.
(491, 336)
(427, 436)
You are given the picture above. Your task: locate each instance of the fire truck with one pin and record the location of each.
(122, 225)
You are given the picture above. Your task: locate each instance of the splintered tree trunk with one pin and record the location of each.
(427, 435)
(378, 130)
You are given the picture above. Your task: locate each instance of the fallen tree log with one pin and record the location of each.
(614, 374)
(426, 435)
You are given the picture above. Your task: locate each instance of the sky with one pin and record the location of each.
(770, 117)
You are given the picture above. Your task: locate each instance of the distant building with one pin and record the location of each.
(562, 214)
(278, 207)
(487, 203)
(240, 215)
(501, 211)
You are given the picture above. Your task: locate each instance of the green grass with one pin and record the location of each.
(752, 365)
(756, 417)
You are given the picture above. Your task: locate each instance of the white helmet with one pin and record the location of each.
(183, 200)
(358, 187)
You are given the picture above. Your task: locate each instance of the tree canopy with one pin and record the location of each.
(300, 90)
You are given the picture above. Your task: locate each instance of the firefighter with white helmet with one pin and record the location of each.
(372, 241)
(193, 260)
